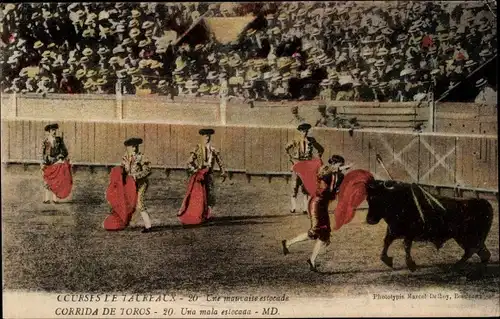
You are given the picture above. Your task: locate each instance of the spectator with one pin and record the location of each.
(297, 119)
(487, 95)
(323, 120)
(305, 45)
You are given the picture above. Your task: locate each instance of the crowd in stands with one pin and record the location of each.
(344, 51)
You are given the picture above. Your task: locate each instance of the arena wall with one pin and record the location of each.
(449, 117)
(466, 118)
(440, 159)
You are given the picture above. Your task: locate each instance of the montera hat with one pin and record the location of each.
(133, 141)
(206, 131)
(49, 127)
(336, 159)
(304, 127)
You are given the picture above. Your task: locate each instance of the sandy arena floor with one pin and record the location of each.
(64, 247)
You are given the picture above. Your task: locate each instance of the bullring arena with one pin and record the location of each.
(406, 90)
(64, 247)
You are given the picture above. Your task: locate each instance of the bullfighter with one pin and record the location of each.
(327, 182)
(299, 150)
(56, 170)
(200, 166)
(128, 185)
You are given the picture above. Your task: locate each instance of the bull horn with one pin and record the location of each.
(388, 187)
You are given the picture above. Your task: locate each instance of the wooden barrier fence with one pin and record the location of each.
(449, 117)
(435, 159)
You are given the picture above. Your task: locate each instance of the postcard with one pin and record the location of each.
(249, 159)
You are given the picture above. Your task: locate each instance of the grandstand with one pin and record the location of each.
(411, 84)
(342, 51)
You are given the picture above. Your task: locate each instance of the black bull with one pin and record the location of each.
(412, 215)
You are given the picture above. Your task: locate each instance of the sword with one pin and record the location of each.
(345, 167)
(379, 160)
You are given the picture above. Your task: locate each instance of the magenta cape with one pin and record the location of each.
(59, 179)
(194, 209)
(122, 198)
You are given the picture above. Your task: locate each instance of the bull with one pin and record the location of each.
(412, 214)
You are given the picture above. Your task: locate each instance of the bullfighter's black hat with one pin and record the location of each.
(334, 159)
(133, 141)
(304, 127)
(206, 131)
(49, 127)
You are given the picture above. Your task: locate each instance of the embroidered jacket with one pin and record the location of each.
(204, 157)
(332, 178)
(304, 149)
(136, 165)
(53, 151)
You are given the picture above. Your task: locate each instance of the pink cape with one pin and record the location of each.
(308, 171)
(352, 193)
(59, 178)
(122, 198)
(194, 209)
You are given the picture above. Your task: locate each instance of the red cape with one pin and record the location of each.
(59, 178)
(352, 193)
(122, 198)
(308, 171)
(194, 209)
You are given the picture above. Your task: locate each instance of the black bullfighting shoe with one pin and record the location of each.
(55, 202)
(304, 212)
(292, 211)
(209, 219)
(46, 201)
(285, 249)
(311, 266)
(146, 230)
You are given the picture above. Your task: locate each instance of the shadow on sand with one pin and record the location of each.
(438, 273)
(216, 221)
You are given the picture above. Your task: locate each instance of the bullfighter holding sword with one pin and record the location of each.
(299, 150)
(322, 183)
